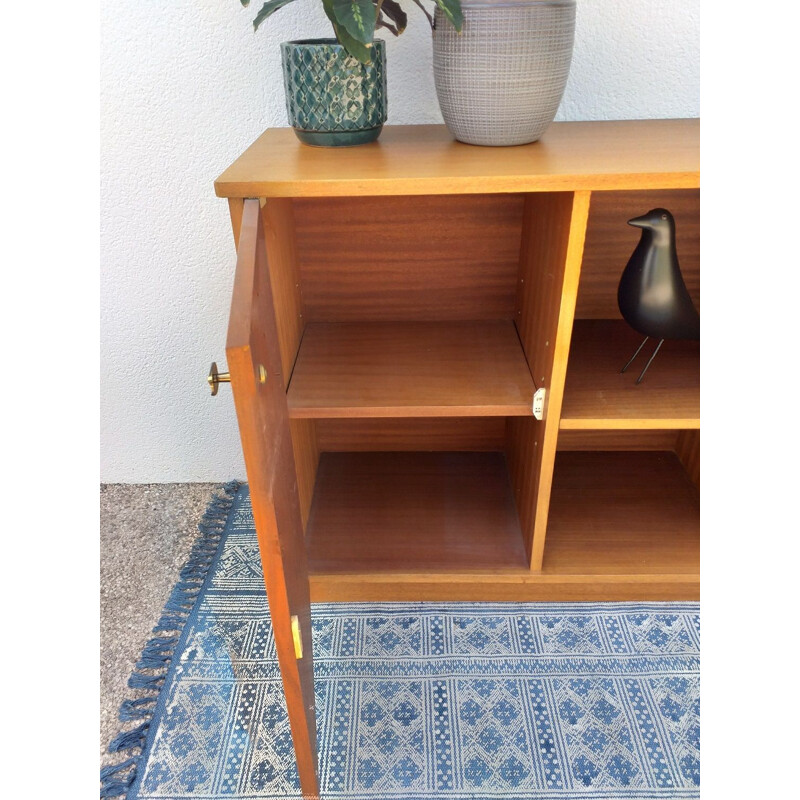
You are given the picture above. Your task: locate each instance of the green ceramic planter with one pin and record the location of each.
(332, 99)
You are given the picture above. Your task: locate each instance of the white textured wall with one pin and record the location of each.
(186, 86)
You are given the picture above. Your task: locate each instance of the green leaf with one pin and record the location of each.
(357, 17)
(452, 10)
(269, 8)
(245, 3)
(359, 50)
(391, 9)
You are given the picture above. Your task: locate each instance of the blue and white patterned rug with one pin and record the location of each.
(444, 700)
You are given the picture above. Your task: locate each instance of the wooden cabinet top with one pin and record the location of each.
(425, 159)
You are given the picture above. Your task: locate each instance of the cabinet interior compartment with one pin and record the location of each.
(412, 511)
(623, 511)
(407, 364)
(596, 394)
(413, 494)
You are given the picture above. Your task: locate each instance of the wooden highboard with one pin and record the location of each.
(397, 308)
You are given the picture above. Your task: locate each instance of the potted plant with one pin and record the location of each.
(336, 88)
(501, 81)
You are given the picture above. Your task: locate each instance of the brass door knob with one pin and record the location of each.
(215, 378)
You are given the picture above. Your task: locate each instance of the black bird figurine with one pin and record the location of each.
(652, 295)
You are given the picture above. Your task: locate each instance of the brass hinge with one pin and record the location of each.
(538, 403)
(297, 638)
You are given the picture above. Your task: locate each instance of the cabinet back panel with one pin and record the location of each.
(446, 257)
(617, 440)
(420, 434)
(610, 242)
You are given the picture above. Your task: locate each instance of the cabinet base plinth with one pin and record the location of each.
(529, 586)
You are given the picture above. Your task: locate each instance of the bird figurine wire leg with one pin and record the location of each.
(649, 360)
(633, 357)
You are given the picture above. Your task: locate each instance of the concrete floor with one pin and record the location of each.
(146, 533)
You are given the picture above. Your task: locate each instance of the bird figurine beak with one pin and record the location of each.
(640, 222)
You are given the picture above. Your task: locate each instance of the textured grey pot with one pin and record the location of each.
(501, 80)
(332, 99)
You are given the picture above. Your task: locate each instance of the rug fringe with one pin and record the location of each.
(133, 709)
(139, 681)
(114, 786)
(116, 779)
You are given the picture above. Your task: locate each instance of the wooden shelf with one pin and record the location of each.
(598, 396)
(407, 512)
(404, 369)
(622, 513)
(425, 159)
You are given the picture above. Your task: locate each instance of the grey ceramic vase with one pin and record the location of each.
(501, 80)
(332, 99)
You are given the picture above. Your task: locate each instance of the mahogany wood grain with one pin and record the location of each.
(424, 369)
(267, 446)
(402, 512)
(598, 396)
(414, 434)
(610, 241)
(622, 513)
(425, 159)
(642, 439)
(688, 450)
(408, 258)
(550, 262)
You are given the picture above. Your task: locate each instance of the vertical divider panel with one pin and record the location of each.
(687, 448)
(554, 229)
(258, 380)
(277, 214)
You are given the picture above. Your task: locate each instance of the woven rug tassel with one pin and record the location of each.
(142, 708)
(169, 622)
(114, 786)
(160, 646)
(153, 662)
(139, 681)
(157, 653)
(129, 739)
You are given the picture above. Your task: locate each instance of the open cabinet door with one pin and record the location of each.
(259, 392)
